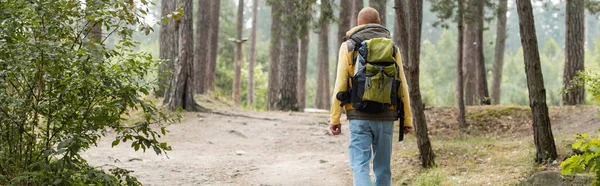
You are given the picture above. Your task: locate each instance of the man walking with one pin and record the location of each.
(372, 88)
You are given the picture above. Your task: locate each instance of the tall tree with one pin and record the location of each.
(346, 9)
(542, 130)
(181, 88)
(357, 5)
(304, 45)
(499, 54)
(252, 53)
(274, 84)
(213, 37)
(289, 57)
(575, 40)
(201, 57)
(322, 100)
(482, 86)
(167, 47)
(471, 49)
(400, 32)
(460, 97)
(237, 85)
(380, 6)
(415, 8)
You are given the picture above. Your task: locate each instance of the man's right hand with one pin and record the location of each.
(335, 129)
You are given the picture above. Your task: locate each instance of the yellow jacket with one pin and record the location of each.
(341, 84)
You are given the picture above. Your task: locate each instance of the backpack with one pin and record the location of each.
(374, 84)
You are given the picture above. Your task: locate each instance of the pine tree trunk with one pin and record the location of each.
(321, 98)
(345, 19)
(182, 85)
(416, 19)
(252, 53)
(289, 59)
(357, 5)
(400, 33)
(95, 33)
(302, 65)
(274, 79)
(169, 44)
(238, 54)
(460, 97)
(499, 54)
(575, 41)
(213, 39)
(380, 6)
(201, 56)
(542, 130)
(482, 85)
(471, 50)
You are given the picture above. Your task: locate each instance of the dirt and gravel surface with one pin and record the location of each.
(234, 147)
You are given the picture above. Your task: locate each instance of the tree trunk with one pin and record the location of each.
(322, 100)
(274, 78)
(400, 33)
(574, 62)
(380, 6)
(213, 39)
(252, 57)
(542, 130)
(416, 19)
(346, 9)
(168, 40)
(182, 85)
(499, 54)
(302, 64)
(238, 54)
(357, 5)
(460, 97)
(95, 33)
(482, 85)
(288, 100)
(471, 51)
(201, 56)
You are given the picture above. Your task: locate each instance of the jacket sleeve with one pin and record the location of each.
(403, 93)
(341, 84)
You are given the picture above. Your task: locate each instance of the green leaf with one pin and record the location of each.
(116, 142)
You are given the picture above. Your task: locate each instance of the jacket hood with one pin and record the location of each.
(365, 32)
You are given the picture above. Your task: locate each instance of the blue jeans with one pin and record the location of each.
(371, 138)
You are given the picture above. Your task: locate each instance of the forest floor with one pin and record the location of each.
(233, 146)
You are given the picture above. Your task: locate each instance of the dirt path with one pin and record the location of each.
(215, 149)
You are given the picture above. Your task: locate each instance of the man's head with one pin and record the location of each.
(368, 15)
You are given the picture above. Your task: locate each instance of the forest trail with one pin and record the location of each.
(232, 146)
(236, 147)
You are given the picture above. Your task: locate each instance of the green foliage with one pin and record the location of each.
(588, 160)
(62, 91)
(431, 177)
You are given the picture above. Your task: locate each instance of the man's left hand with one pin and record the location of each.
(407, 130)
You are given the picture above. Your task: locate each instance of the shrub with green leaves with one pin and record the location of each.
(589, 147)
(62, 89)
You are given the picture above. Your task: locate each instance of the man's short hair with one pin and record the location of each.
(368, 15)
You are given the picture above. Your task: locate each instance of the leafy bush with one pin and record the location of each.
(589, 148)
(62, 88)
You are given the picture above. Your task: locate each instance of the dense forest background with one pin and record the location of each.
(438, 54)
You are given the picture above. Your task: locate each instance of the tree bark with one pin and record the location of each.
(201, 56)
(168, 41)
(274, 85)
(574, 51)
(416, 19)
(346, 9)
(238, 54)
(542, 130)
(182, 85)
(302, 65)
(499, 54)
(322, 100)
(471, 50)
(400, 33)
(357, 5)
(482, 85)
(252, 57)
(380, 6)
(289, 59)
(213, 39)
(460, 97)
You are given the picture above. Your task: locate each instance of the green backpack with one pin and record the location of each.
(375, 82)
